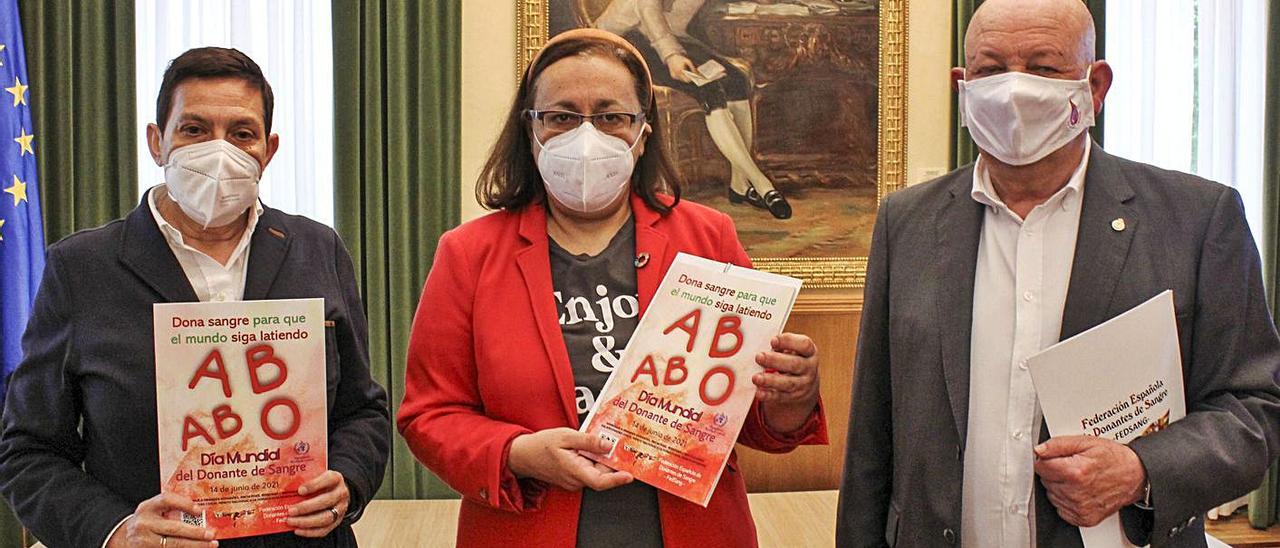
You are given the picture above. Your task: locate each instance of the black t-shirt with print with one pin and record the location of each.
(598, 311)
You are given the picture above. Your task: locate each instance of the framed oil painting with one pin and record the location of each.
(788, 115)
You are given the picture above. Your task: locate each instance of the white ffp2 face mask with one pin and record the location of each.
(1020, 118)
(212, 181)
(586, 170)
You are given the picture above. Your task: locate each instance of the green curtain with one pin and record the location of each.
(1098, 8)
(11, 533)
(397, 130)
(963, 150)
(80, 61)
(1264, 504)
(80, 58)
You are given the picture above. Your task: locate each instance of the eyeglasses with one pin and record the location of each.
(614, 123)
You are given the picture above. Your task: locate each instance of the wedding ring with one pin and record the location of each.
(334, 511)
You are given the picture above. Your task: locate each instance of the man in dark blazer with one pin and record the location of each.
(1045, 237)
(78, 450)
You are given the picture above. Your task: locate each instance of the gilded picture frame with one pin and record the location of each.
(826, 270)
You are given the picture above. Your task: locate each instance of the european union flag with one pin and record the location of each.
(21, 232)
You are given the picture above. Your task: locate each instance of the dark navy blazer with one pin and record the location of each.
(78, 447)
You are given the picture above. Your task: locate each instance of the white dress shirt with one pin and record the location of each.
(211, 280)
(1019, 290)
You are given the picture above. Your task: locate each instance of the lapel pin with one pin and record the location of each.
(641, 260)
(1118, 224)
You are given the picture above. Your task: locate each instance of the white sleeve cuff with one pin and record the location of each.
(114, 529)
(667, 45)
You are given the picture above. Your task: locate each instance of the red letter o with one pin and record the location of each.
(293, 427)
(728, 391)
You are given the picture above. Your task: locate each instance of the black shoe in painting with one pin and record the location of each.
(749, 197)
(775, 203)
(772, 201)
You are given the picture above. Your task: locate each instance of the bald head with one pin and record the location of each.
(1051, 39)
(1028, 30)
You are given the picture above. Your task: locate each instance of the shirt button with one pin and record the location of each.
(1028, 296)
(949, 536)
(1017, 435)
(1013, 508)
(1022, 364)
(484, 494)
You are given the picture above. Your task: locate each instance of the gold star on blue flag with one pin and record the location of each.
(19, 92)
(21, 229)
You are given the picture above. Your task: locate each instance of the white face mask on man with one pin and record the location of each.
(584, 169)
(214, 182)
(1020, 118)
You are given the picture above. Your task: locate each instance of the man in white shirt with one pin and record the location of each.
(1045, 236)
(78, 449)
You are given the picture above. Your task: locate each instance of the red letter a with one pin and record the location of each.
(647, 367)
(213, 368)
(192, 429)
(689, 324)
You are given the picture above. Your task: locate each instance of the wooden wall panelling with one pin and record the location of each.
(831, 317)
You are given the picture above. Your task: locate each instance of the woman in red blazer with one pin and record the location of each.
(500, 369)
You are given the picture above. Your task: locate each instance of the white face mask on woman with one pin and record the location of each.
(1020, 118)
(586, 170)
(214, 182)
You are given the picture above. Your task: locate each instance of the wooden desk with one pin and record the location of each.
(805, 518)
(406, 523)
(1236, 531)
(782, 519)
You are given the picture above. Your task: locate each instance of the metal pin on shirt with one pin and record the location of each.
(641, 260)
(1118, 224)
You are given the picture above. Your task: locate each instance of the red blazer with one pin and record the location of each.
(487, 363)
